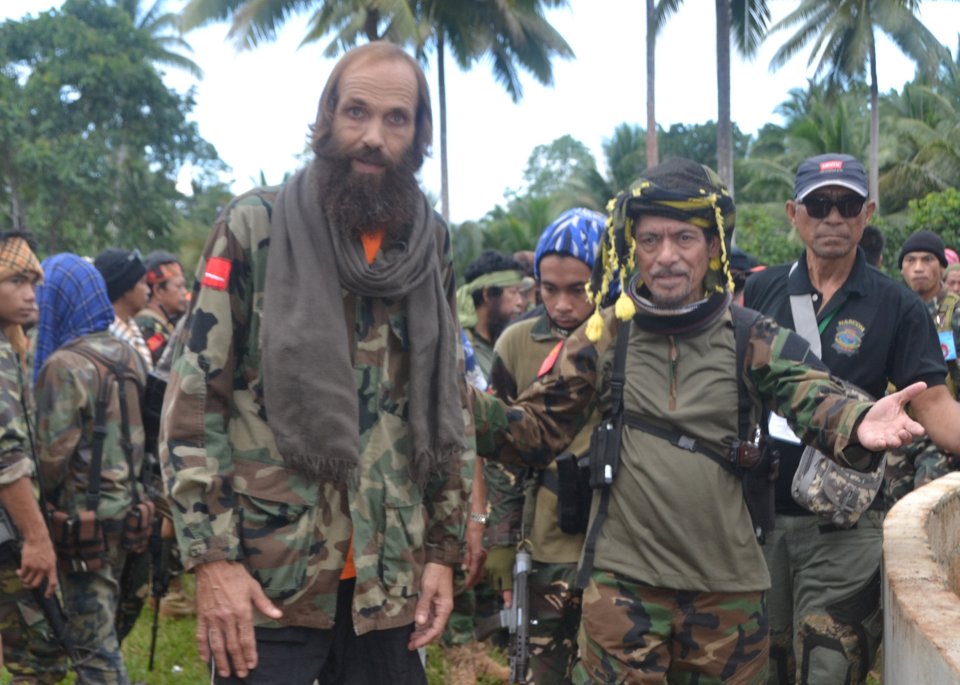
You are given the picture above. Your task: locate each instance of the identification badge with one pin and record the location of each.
(948, 346)
(780, 429)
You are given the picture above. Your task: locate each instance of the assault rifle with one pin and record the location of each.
(515, 618)
(161, 542)
(49, 606)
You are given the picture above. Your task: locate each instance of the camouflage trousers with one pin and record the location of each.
(915, 465)
(554, 619)
(90, 603)
(825, 616)
(637, 634)
(30, 651)
(468, 605)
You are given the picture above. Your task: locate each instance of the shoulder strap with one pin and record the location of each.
(743, 320)
(613, 414)
(120, 371)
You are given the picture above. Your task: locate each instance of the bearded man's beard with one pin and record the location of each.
(356, 202)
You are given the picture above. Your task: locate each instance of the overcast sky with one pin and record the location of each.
(255, 106)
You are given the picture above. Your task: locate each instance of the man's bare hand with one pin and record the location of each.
(434, 606)
(887, 426)
(226, 596)
(475, 555)
(38, 562)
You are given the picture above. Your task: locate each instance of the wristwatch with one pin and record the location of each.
(479, 518)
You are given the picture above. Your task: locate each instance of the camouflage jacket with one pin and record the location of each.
(157, 330)
(677, 519)
(15, 459)
(233, 496)
(521, 352)
(66, 396)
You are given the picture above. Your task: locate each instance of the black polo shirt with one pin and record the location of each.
(878, 330)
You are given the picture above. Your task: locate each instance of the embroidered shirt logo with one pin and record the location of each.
(849, 336)
(216, 275)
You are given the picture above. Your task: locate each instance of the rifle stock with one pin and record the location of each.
(161, 542)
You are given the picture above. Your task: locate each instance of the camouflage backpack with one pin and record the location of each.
(139, 518)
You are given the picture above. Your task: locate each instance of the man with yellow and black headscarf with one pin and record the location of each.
(672, 571)
(29, 652)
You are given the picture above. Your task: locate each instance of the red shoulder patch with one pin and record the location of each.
(551, 359)
(155, 341)
(216, 275)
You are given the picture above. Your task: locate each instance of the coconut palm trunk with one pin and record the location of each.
(653, 147)
(724, 125)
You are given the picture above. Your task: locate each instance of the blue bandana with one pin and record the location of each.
(72, 301)
(575, 233)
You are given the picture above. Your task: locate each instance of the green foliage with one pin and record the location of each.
(937, 212)
(764, 231)
(91, 139)
(698, 142)
(551, 167)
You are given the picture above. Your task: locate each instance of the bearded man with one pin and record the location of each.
(313, 443)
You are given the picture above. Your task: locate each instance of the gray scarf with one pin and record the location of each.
(310, 389)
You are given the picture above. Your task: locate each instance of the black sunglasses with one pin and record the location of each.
(820, 206)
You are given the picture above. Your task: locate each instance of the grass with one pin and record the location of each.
(177, 661)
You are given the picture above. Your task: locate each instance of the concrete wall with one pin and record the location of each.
(921, 556)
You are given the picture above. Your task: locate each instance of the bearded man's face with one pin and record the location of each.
(366, 169)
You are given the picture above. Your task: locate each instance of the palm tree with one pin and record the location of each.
(166, 40)
(653, 150)
(747, 21)
(512, 32)
(844, 48)
(925, 147)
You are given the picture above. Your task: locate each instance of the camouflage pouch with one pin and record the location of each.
(78, 540)
(838, 495)
(137, 527)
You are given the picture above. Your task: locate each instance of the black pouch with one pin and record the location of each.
(573, 493)
(759, 492)
(78, 540)
(137, 527)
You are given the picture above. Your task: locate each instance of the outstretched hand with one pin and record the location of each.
(886, 425)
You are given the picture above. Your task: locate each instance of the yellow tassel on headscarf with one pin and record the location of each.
(595, 327)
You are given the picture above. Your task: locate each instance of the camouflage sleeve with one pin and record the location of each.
(953, 367)
(823, 410)
(504, 482)
(547, 415)
(15, 462)
(196, 456)
(60, 397)
(448, 498)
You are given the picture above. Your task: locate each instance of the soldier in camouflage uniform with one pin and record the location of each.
(922, 262)
(674, 577)
(313, 439)
(826, 620)
(167, 302)
(30, 651)
(75, 316)
(562, 264)
(488, 302)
